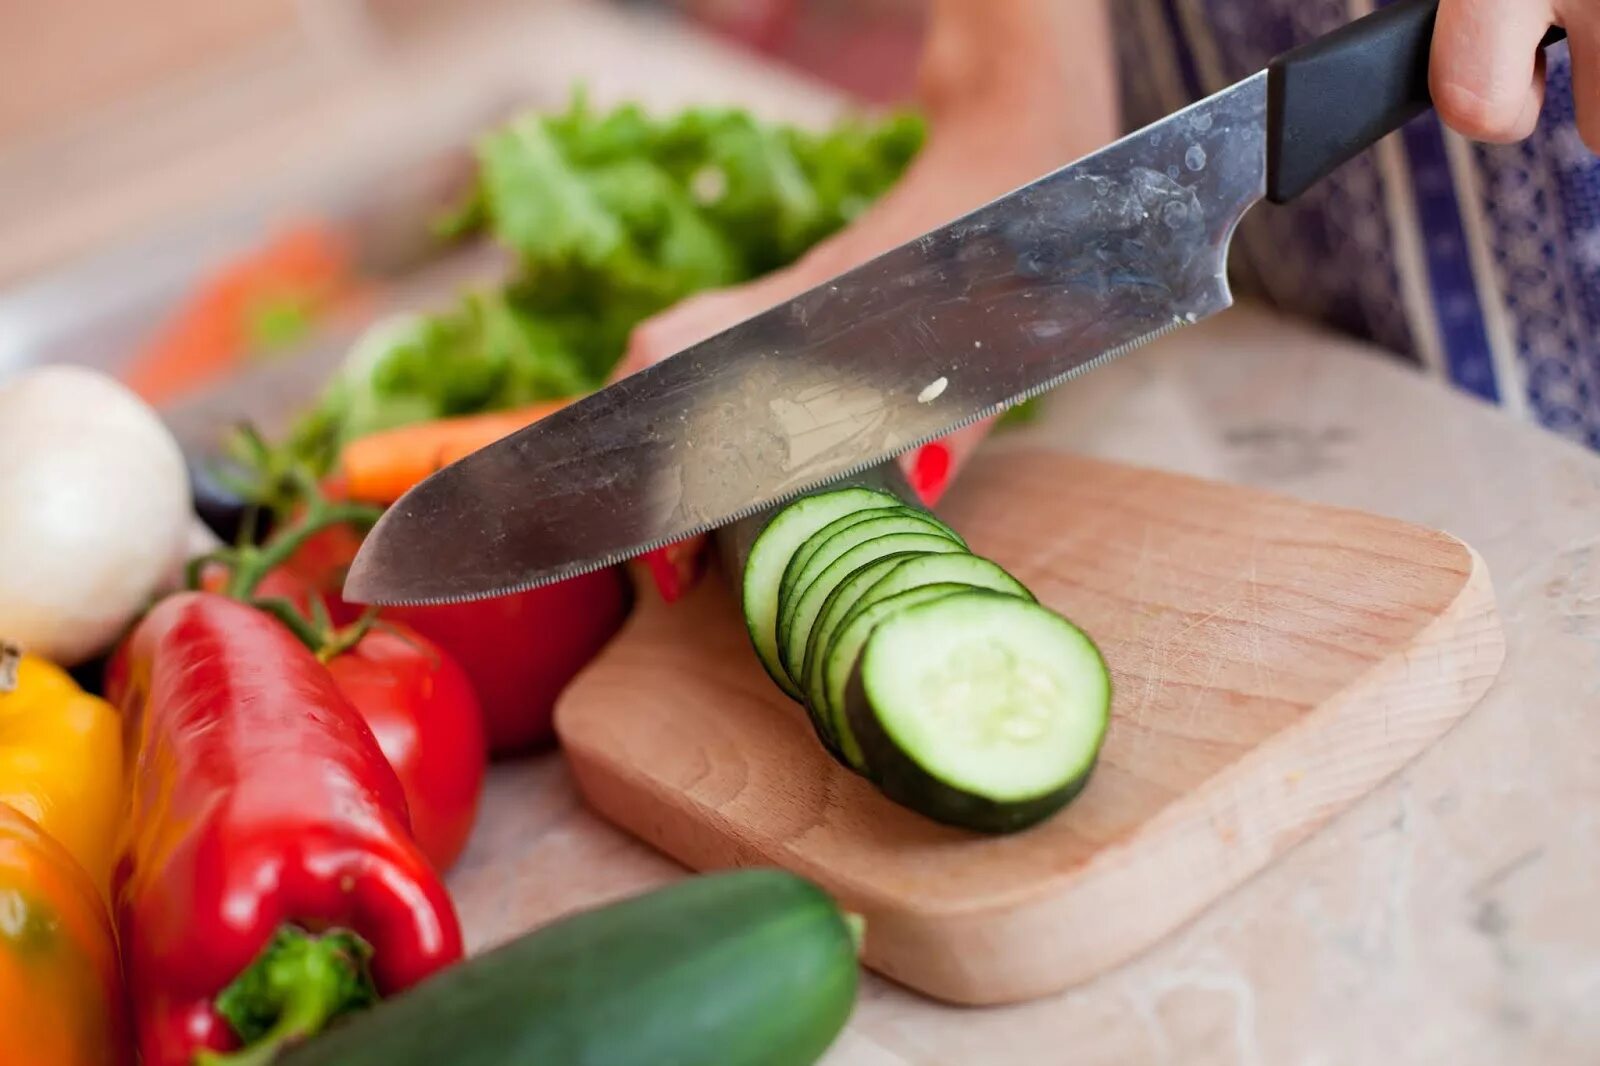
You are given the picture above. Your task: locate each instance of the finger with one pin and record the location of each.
(1485, 72)
(1583, 37)
(932, 468)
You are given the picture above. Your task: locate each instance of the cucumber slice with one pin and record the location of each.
(839, 601)
(969, 570)
(770, 553)
(839, 660)
(800, 563)
(980, 710)
(824, 728)
(792, 653)
(810, 603)
(802, 554)
(826, 553)
(825, 685)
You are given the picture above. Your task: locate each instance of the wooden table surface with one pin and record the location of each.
(1449, 917)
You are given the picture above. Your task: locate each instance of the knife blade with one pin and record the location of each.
(1006, 302)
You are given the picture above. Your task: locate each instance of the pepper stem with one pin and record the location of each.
(293, 989)
(10, 664)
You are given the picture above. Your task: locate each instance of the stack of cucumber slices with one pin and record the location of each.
(925, 668)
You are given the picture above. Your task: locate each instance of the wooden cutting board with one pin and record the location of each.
(1273, 660)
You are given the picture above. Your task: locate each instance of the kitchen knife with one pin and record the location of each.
(1010, 300)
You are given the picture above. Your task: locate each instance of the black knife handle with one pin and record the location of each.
(1332, 98)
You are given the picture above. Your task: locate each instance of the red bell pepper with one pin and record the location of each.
(411, 693)
(268, 880)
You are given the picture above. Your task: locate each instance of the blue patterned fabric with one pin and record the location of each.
(1479, 262)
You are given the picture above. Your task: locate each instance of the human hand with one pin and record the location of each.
(958, 169)
(1487, 70)
(996, 82)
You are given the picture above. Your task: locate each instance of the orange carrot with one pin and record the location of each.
(379, 467)
(303, 268)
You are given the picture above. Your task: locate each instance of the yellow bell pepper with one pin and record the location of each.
(61, 759)
(61, 994)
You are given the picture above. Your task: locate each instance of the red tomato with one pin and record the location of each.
(520, 651)
(421, 706)
(321, 563)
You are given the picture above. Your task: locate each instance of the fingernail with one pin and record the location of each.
(931, 471)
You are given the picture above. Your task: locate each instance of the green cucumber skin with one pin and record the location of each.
(839, 601)
(807, 608)
(808, 550)
(900, 779)
(796, 584)
(808, 547)
(822, 687)
(750, 968)
(749, 542)
(849, 748)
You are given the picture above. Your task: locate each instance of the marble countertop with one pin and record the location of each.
(1448, 917)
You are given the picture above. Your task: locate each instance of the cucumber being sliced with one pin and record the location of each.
(830, 669)
(969, 570)
(979, 710)
(839, 601)
(845, 648)
(795, 582)
(769, 555)
(800, 563)
(932, 672)
(802, 554)
(792, 651)
(873, 571)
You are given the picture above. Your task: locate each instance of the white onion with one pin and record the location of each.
(94, 510)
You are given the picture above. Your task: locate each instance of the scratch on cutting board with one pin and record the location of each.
(1256, 620)
(1208, 616)
(1205, 688)
(1157, 656)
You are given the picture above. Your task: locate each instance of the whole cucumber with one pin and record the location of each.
(748, 968)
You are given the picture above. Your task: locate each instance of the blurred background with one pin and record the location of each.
(164, 163)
